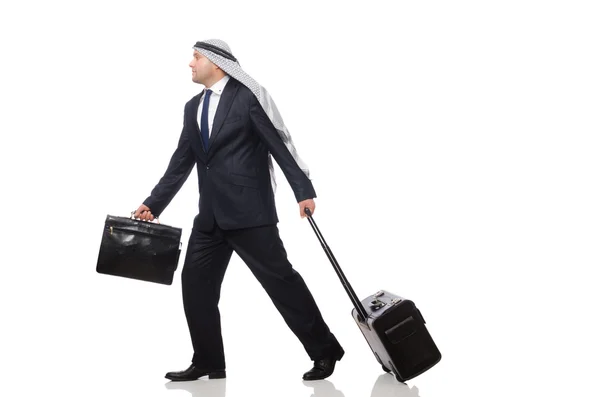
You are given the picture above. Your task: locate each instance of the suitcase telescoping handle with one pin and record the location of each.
(362, 313)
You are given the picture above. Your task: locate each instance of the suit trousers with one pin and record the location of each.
(207, 257)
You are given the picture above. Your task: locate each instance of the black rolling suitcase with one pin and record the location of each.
(393, 326)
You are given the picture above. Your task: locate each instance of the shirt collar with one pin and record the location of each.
(219, 86)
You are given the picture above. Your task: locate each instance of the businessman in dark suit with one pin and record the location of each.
(228, 135)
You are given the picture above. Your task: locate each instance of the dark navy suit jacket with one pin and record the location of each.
(233, 175)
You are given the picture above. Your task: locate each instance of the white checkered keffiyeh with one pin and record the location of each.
(233, 69)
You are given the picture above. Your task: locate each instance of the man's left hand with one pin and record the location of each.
(310, 204)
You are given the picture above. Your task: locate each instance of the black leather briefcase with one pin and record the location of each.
(392, 326)
(141, 250)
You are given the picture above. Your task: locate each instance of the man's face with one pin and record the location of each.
(202, 68)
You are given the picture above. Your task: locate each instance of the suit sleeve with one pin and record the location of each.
(263, 126)
(180, 166)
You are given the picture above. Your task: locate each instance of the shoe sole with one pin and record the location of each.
(313, 379)
(211, 375)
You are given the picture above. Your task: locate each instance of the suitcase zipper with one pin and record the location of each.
(124, 229)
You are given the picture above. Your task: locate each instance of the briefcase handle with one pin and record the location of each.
(155, 218)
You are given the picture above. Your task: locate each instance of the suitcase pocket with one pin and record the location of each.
(402, 330)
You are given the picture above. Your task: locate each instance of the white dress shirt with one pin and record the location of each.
(215, 97)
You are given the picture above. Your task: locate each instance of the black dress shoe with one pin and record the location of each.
(193, 373)
(321, 370)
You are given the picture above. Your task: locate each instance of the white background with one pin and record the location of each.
(453, 148)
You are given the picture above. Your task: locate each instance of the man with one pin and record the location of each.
(230, 131)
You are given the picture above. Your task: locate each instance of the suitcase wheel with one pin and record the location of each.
(399, 379)
(386, 369)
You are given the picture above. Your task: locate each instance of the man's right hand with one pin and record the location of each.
(143, 213)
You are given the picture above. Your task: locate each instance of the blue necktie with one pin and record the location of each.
(204, 120)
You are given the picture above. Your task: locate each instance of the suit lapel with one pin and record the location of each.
(224, 105)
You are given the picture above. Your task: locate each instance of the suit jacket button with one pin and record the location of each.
(207, 167)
